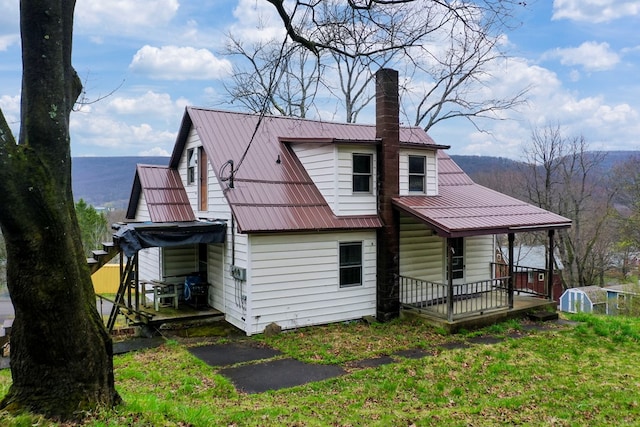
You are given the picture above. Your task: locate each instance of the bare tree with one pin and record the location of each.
(457, 72)
(272, 77)
(446, 49)
(564, 177)
(61, 353)
(627, 175)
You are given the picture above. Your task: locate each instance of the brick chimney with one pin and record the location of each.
(388, 130)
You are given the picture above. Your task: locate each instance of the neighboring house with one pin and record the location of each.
(530, 270)
(585, 299)
(327, 222)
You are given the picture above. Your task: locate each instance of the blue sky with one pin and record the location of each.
(581, 59)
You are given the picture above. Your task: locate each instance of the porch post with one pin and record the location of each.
(550, 262)
(450, 280)
(510, 281)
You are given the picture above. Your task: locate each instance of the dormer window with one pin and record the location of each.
(362, 173)
(417, 167)
(191, 166)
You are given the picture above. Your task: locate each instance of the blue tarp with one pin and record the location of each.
(135, 236)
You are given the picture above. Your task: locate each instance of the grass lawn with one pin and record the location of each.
(571, 376)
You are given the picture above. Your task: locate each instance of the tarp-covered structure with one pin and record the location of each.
(132, 237)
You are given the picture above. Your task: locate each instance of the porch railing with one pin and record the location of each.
(464, 299)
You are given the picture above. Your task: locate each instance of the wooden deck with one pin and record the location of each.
(184, 313)
(436, 315)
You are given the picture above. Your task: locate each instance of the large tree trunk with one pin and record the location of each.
(61, 353)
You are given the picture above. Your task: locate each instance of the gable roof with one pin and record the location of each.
(164, 194)
(272, 191)
(464, 208)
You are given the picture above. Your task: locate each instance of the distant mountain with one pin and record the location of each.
(474, 165)
(107, 181)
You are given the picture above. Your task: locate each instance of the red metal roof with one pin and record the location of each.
(463, 207)
(272, 190)
(164, 193)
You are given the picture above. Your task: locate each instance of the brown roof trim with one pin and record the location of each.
(294, 140)
(424, 146)
(181, 139)
(476, 231)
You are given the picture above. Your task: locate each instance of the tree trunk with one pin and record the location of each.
(61, 353)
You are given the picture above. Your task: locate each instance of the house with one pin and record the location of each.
(530, 270)
(324, 222)
(585, 299)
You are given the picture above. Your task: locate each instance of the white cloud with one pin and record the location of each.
(149, 103)
(179, 63)
(155, 151)
(124, 16)
(256, 21)
(590, 55)
(8, 40)
(595, 11)
(127, 125)
(10, 106)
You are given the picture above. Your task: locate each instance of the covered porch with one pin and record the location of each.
(449, 271)
(154, 302)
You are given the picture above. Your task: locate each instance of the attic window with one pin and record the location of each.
(362, 173)
(191, 166)
(416, 173)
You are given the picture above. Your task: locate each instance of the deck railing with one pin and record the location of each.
(460, 301)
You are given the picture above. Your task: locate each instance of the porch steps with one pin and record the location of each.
(102, 256)
(543, 316)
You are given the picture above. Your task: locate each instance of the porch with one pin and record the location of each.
(468, 305)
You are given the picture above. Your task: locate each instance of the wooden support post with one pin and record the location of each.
(550, 262)
(511, 270)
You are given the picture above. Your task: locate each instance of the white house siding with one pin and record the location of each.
(179, 261)
(320, 162)
(215, 276)
(431, 172)
(350, 203)
(294, 280)
(420, 251)
(478, 256)
(142, 211)
(149, 264)
(423, 257)
(234, 290)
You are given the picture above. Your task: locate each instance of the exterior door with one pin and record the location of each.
(457, 258)
(202, 179)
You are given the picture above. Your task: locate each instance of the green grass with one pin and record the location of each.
(588, 375)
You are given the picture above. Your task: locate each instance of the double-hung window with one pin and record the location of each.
(350, 264)
(191, 166)
(417, 173)
(362, 173)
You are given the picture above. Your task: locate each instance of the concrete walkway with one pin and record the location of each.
(255, 368)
